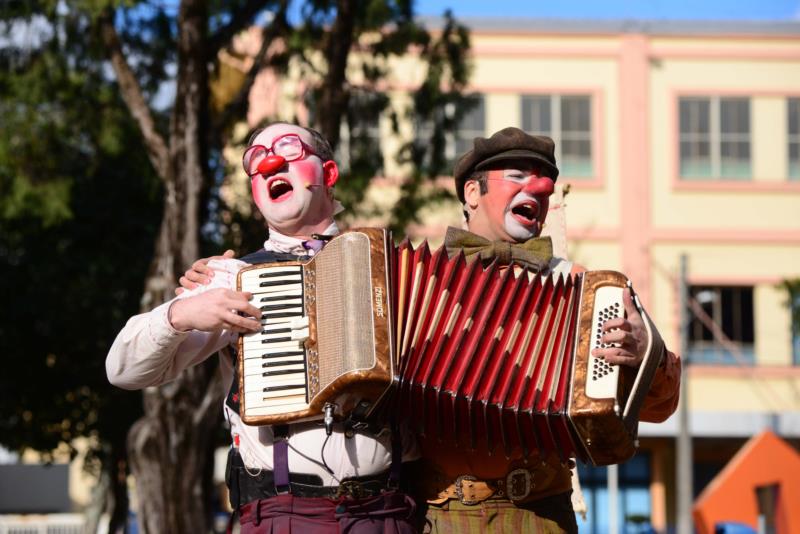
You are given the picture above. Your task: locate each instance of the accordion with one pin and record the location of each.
(474, 356)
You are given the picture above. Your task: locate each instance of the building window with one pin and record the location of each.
(568, 120)
(714, 138)
(359, 149)
(721, 330)
(794, 138)
(792, 288)
(633, 498)
(471, 125)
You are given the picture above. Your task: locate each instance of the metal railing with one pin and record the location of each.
(42, 524)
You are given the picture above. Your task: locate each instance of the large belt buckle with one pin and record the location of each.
(460, 489)
(350, 488)
(519, 484)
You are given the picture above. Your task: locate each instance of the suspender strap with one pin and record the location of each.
(397, 458)
(280, 458)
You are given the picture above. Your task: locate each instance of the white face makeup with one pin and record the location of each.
(515, 205)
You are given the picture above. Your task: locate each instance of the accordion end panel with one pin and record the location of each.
(597, 420)
(352, 293)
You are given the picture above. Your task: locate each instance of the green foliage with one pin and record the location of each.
(439, 106)
(79, 208)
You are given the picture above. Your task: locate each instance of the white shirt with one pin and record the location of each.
(150, 352)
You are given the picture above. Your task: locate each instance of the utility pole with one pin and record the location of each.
(684, 484)
(612, 473)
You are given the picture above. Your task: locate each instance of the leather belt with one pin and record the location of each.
(519, 485)
(355, 487)
(246, 487)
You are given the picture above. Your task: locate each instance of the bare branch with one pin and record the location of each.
(132, 95)
(239, 19)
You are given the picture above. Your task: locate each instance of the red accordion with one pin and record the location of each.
(491, 357)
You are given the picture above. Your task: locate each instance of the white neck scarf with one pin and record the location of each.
(278, 242)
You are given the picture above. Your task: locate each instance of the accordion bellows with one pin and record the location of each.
(473, 356)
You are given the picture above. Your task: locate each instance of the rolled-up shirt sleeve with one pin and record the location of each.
(662, 399)
(148, 351)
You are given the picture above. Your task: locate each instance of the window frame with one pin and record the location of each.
(556, 131)
(792, 166)
(715, 138)
(712, 352)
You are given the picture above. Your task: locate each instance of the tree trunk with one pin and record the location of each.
(334, 94)
(171, 446)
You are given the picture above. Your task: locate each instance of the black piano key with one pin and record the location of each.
(273, 298)
(283, 388)
(273, 274)
(286, 362)
(281, 315)
(273, 307)
(283, 354)
(283, 372)
(279, 283)
(276, 331)
(276, 340)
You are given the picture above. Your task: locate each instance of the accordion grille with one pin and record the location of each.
(343, 291)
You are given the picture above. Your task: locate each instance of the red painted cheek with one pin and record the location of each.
(308, 171)
(257, 186)
(540, 186)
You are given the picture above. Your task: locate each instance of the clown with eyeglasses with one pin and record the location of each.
(289, 478)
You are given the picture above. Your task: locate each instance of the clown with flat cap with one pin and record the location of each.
(505, 183)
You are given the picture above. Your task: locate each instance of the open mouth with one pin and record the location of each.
(279, 189)
(526, 212)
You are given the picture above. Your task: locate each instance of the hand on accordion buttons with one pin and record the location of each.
(628, 333)
(200, 273)
(214, 310)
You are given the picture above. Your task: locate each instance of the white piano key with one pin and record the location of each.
(255, 400)
(258, 350)
(271, 272)
(274, 286)
(260, 382)
(299, 322)
(258, 337)
(299, 335)
(260, 408)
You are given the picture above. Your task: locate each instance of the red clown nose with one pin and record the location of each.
(271, 164)
(540, 186)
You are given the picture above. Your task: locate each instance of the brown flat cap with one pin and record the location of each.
(508, 143)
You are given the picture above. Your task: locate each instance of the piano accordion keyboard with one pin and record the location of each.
(275, 376)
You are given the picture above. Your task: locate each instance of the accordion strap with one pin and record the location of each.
(647, 370)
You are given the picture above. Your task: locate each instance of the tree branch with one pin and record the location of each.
(334, 95)
(239, 19)
(132, 95)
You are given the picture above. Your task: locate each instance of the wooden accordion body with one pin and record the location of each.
(472, 356)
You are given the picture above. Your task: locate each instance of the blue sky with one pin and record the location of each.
(619, 9)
